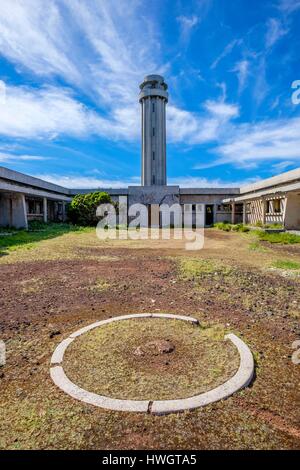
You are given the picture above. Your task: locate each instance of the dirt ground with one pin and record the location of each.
(52, 288)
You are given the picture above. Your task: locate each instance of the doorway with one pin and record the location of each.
(209, 215)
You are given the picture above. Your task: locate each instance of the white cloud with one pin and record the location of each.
(222, 109)
(242, 70)
(9, 157)
(275, 31)
(49, 112)
(32, 37)
(282, 166)
(228, 49)
(195, 182)
(187, 24)
(87, 182)
(289, 6)
(250, 145)
(90, 182)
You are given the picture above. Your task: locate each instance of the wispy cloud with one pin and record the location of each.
(87, 182)
(9, 157)
(250, 145)
(195, 182)
(275, 31)
(227, 50)
(242, 69)
(289, 6)
(187, 24)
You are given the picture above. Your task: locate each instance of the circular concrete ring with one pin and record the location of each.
(241, 379)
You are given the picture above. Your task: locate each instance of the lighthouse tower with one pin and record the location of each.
(153, 98)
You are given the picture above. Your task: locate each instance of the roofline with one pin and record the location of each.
(27, 180)
(284, 178)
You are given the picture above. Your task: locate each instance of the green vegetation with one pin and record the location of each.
(286, 264)
(256, 246)
(113, 368)
(272, 226)
(82, 210)
(226, 227)
(29, 237)
(284, 238)
(192, 268)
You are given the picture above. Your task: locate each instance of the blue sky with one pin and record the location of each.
(70, 72)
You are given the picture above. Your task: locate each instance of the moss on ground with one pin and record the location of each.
(202, 360)
(286, 264)
(193, 268)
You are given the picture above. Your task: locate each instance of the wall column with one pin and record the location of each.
(45, 209)
(5, 203)
(19, 212)
(264, 210)
(233, 213)
(244, 213)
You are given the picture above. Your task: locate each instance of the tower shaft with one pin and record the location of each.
(153, 98)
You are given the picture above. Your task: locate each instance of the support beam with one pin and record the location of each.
(264, 210)
(19, 212)
(244, 213)
(45, 210)
(233, 213)
(64, 216)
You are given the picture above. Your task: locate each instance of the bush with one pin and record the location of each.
(226, 227)
(82, 210)
(284, 238)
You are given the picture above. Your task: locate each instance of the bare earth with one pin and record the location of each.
(54, 287)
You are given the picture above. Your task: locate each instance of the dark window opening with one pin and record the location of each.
(153, 155)
(153, 179)
(153, 107)
(276, 205)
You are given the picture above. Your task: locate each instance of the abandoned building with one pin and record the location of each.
(274, 200)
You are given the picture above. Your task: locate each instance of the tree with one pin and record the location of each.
(82, 210)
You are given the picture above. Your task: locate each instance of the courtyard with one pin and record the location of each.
(57, 282)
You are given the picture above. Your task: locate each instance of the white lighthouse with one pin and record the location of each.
(153, 98)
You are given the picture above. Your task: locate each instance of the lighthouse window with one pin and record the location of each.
(153, 155)
(153, 107)
(153, 131)
(153, 179)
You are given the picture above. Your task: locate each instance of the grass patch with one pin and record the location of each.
(286, 264)
(226, 227)
(193, 268)
(112, 368)
(100, 286)
(256, 246)
(283, 238)
(29, 237)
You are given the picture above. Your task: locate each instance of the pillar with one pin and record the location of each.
(244, 213)
(63, 211)
(19, 212)
(264, 209)
(233, 213)
(45, 210)
(5, 211)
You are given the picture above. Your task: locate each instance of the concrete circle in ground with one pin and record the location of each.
(241, 379)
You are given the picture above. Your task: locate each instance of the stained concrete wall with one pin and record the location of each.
(292, 212)
(13, 211)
